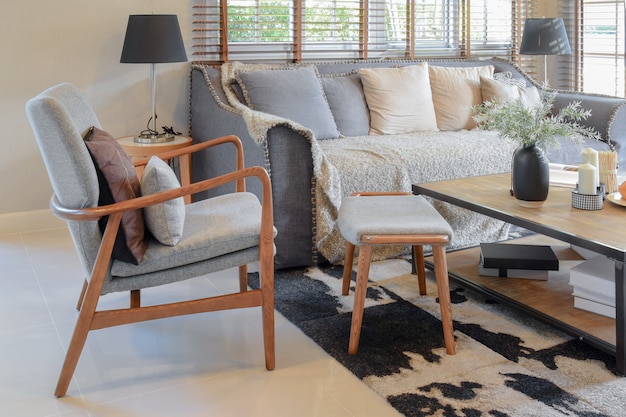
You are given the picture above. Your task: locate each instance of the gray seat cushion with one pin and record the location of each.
(209, 232)
(389, 215)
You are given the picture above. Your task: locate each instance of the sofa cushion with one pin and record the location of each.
(293, 93)
(502, 90)
(347, 103)
(455, 91)
(164, 220)
(118, 181)
(399, 99)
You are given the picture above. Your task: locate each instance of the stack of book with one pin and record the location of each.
(517, 261)
(593, 281)
(563, 175)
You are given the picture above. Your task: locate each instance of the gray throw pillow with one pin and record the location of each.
(165, 220)
(347, 103)
(294, 94)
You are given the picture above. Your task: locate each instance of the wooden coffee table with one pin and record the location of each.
(602, 231)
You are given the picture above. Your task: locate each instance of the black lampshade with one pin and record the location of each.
(153, 39)
(545, 36)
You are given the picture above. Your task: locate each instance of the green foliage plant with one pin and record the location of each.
(528, 125)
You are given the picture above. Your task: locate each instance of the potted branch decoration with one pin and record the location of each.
(535, 129)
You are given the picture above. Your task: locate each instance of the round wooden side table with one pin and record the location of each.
(138, 151)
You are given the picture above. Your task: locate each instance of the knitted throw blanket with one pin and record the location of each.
(387, 163)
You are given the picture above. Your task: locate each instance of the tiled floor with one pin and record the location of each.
(203, 365)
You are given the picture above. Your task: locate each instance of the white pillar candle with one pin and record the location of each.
(587, 179)
(590, 156)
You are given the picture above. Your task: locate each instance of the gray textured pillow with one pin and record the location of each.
(347, 103)
(295, 94)
(165, 220)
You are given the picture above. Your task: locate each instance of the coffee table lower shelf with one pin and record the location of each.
(549, 301)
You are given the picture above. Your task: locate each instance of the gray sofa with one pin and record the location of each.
(311, 171)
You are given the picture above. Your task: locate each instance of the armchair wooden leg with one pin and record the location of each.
(443, 288)
(77, 342)
(135, 298)
(243, 278)
(365, 257)
(347, 268)
(418, 258)
(266, 275)
(81, 297)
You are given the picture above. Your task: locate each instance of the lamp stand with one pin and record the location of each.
(545, 71)
(152, 136)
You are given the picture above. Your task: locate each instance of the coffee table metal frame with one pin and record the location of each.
(602, 231)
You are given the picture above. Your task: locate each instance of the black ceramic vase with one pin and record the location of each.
(530, 176)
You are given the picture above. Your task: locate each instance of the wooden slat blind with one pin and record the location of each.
(296, 30)
(602, 47)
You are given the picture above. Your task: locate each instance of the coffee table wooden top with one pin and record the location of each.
(602, 231)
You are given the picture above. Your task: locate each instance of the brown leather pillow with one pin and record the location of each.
(118, 181)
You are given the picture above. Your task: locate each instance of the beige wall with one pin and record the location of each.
(43, 43)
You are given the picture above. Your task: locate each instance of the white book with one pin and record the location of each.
(594, 296)
(596, 274)
(594, 307)
(585, 253)
(563, 175)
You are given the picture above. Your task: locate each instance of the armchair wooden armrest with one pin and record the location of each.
(188, 150)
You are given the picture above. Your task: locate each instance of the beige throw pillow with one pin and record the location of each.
(455, 91)
(502, 91)
(399, 99)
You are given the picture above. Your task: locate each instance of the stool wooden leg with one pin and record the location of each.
(418, 258)
(443, 288)
(365, 256)
(347, 268)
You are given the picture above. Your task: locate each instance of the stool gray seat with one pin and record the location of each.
(369, 219)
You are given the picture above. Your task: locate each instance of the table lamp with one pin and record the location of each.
(545, 36)
(153, 39)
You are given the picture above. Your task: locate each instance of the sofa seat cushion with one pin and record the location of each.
(208, 233)
(368, 164)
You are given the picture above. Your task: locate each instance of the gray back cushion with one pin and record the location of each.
(59, 117)
(347, 102)
(295, 94)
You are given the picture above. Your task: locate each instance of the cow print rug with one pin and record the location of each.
(506, 364)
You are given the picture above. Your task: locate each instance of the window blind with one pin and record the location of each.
(296, 30)
(601, 39)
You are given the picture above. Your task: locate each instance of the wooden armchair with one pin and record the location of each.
(219, 233)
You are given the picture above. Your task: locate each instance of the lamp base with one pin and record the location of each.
(152, 138)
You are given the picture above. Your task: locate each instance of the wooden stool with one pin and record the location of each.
(368, 219)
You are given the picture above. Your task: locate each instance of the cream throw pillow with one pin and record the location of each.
(455, 91)
(502, 91)
(399, 99)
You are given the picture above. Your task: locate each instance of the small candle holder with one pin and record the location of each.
(588, 201)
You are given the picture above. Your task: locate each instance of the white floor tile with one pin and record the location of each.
(200, 365)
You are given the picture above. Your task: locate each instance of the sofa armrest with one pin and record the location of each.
(291, 171)
(285, 154)
(608, 117)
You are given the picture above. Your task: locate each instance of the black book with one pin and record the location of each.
(511, 256)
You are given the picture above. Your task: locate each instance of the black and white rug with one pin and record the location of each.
(506, 364)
